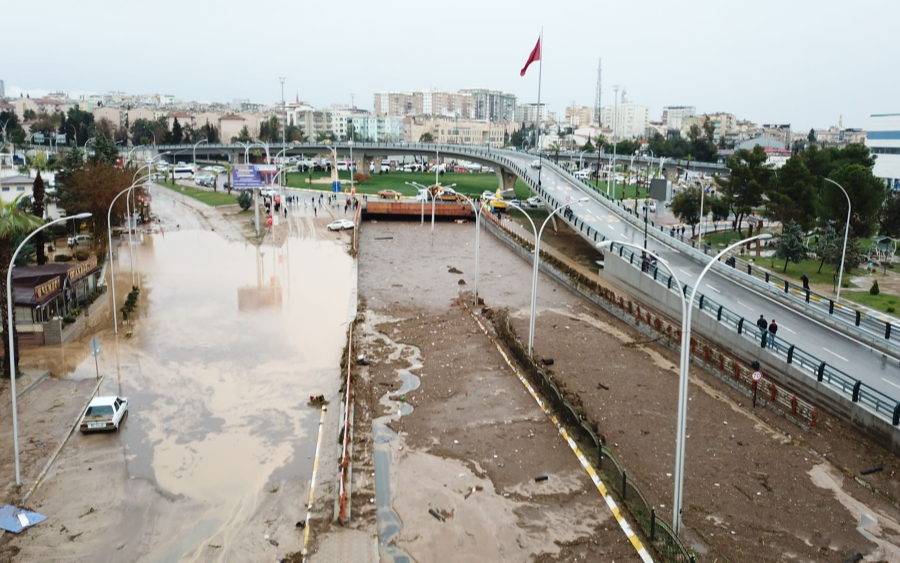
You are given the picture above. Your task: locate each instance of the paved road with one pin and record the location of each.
(838, 350)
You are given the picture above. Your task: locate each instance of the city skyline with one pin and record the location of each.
(780, 63)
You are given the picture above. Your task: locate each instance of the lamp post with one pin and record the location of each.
(437, 191)
(283, 125)
(112, 274)
(846, 232)
(74, 134)
(684, 371)
(194, 158)
(85, 147)
(11, 330)
(537, 257)
(477, 210)
(424, 191)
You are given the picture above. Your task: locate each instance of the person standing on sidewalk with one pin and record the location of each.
(773, 328)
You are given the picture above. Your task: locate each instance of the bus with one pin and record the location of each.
(183, 172)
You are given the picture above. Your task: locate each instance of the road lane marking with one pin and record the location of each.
(742, 304)
(687, 273)
(891, 382)
(837, 355)
(712, 288)
(787, 329)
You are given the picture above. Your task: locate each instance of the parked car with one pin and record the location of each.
(341, 225)
(79, 240)
(534, 201)
(389, 194)
(104, 414)
(536, 164)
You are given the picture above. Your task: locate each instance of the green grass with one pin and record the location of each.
(213, 199)
(881, 302)
(468, 184)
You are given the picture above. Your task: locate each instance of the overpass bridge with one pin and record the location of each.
(851, 360)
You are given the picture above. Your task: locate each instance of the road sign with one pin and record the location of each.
(756, 375)
(95, 347)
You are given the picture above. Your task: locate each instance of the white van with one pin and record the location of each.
(183, 172)
(583, 174)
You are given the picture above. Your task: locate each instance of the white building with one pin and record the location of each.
(672, 116)
(627, 121)
(883, 139)
(532, 113)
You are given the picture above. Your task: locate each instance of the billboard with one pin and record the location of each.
(253, 176)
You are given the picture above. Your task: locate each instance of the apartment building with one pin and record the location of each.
(883, 140)
(579, 116)
(490, 105)
(673, 116)
(452, 131)
(626, 120)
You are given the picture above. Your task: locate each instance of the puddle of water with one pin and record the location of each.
(389, 524)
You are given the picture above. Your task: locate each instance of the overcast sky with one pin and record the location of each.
(803, 62)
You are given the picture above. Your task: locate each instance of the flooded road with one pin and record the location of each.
(229, 342)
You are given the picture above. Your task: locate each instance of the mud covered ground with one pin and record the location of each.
(757, 487)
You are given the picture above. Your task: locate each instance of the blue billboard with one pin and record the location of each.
(253, 176)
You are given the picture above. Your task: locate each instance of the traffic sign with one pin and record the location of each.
(756, 375)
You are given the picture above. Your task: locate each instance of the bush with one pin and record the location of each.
(62, 258)
(874, 289)
(245, 200)
(890, 309)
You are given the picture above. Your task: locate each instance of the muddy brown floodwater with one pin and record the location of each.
(230, 341)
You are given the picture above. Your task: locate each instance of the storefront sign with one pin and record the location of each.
(45, 289)
(82, 269)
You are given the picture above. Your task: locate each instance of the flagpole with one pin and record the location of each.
(540, 129)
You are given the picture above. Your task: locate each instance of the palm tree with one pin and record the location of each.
(40, 163)
(555, 148)
(13, 224)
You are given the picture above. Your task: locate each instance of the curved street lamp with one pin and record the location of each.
(846, 232)
(537, 258)
(203, 140)
(477, 210)
(112, 273)
(11, 330)
(684, 367)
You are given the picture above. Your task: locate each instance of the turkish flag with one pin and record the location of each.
(534, 56)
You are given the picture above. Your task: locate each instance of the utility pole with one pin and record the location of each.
(615, 125)
(599, 84)
(283, 128)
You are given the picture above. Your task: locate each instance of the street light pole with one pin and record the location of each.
(537, 257)
(846, 232)
(284, 125)
(112, 273)
(683, 384)
(477, 210)
(194, 161)
(11, 330)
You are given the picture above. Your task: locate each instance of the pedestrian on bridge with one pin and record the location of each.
(773, 328)
(763, 326)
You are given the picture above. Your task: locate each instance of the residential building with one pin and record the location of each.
(141, 113)
(579, 116)
(111, 114)
(491, 105)
(672, 116)
(532, 113)
(839, 136)
(626, 120)
(764, 142)
(2, 90)
(452, 131)
(230, 126)
(377, 128)
(883, 140)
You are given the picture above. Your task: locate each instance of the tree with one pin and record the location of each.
(243, 136)
(426, 137)
(812, 136)
(826, 248)
(39, 163)
(294, 133)
(890, 215)
(13, 224)
(790, 245)
(270, 130)
(866, 194)
(211, 132)
(244, 200)
(105, 150)
(92, 188)
(588, 147)
(792, 194)
(686, 206)
(322, 136)
(555, 148)
(626, 147)
(743, 189)
(177, 136)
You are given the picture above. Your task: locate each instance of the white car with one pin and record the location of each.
(104, 413)
(79, 240)
(341, 225)
(534, 201)
(536, 164)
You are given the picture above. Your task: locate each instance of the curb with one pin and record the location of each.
(59, 448)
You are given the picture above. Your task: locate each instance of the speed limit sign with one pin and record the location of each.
(756, 375)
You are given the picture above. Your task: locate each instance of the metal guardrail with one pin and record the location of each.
(845, 385)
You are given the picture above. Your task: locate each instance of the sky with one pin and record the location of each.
(803, 62)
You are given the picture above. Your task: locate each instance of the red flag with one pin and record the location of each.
(534, 56)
